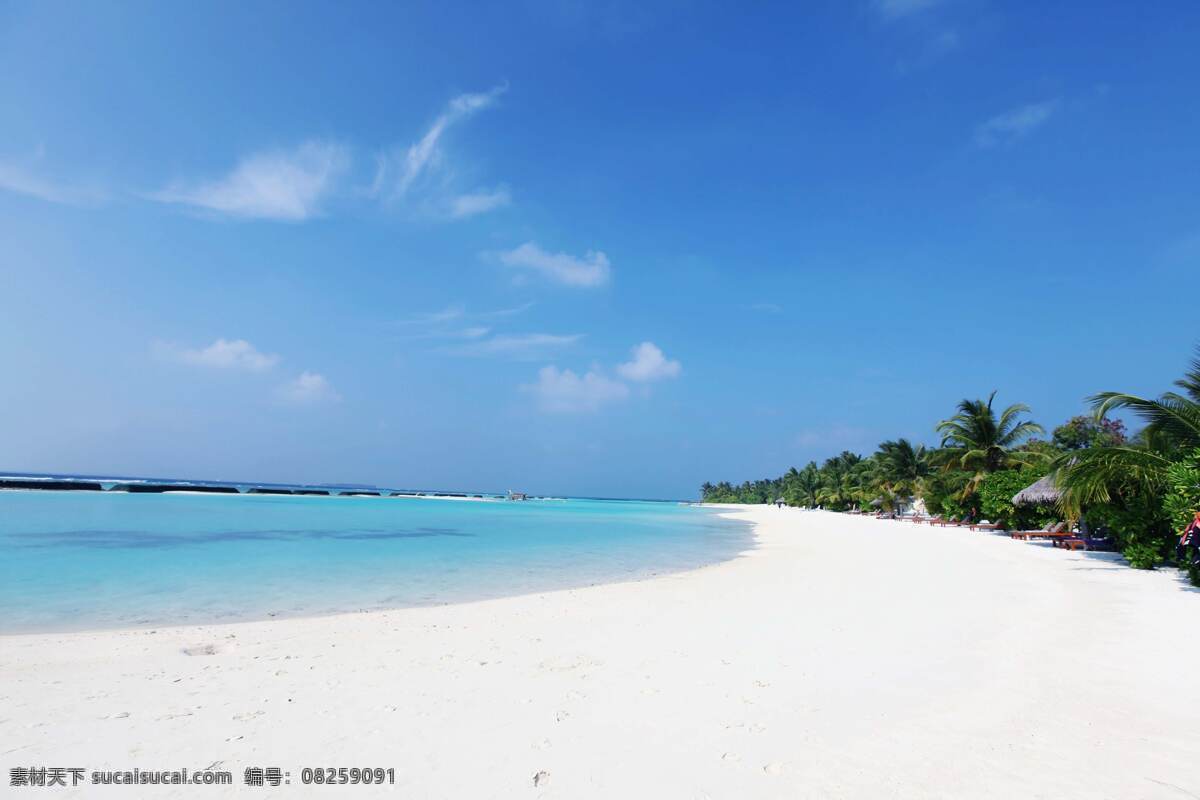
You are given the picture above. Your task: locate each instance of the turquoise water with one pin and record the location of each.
(74, 560)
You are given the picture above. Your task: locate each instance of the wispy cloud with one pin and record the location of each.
(648, 364)
(447, 314)
(455, 322)
(468, 205)
(401, 170)
(520, 346)
(23, 176)
(586, 272)
(564, 392)
(1014, 125)
(308, 389)
(471, 332)
(284, 185)
(897, 9)
(230, 354)
(460, 332)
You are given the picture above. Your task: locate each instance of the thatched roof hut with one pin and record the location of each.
(1042, 492)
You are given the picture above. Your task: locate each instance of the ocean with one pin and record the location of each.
(87, 560)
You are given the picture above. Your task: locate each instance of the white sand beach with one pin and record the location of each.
(844, 657)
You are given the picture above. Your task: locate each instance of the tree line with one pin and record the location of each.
(1139, 489)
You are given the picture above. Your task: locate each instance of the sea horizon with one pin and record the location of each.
(106, 477)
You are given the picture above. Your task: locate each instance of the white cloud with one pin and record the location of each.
(895, 9)
(286, 185)
(234, 354)
(565, 392)
(399, 170)
(468, 205)
(308, 388)
(648, 364)
(22, 177)
(1012, 125)
(519, 345)
(587, 272)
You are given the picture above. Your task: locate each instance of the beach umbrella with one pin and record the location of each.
(1041, 492)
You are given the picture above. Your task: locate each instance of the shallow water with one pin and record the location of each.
(77, 560)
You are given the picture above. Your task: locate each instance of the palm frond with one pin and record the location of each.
(1190, 382)
(1094, 475)
(1172, 415)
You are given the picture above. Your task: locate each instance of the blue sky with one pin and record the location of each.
(604, 249)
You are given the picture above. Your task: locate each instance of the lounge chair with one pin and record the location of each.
(935, 520)
(1055, 530)
(1071, 543)
(986, 526)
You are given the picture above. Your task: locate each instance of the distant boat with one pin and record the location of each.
(516, 495)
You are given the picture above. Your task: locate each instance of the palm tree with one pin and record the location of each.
(901, 469)
(976, 441)
(1095, 474)
(839, 485)
(804, 486)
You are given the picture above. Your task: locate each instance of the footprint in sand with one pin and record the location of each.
(731, 758)
(248, 716)
(201, 650)
(774, 768)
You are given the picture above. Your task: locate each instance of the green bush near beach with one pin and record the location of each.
(1139, 490)
(995, 499)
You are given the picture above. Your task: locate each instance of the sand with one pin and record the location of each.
(843, 657)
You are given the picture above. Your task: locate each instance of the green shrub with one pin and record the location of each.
(995, 499)
(1143, 555)
(1183, 499)
(1139, 526)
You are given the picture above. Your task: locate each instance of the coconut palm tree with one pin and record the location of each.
(976, 440)
(1096, 474)
(801, 486)
(901, 468)
(839, 483)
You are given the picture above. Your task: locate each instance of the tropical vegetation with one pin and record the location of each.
(1136, 490)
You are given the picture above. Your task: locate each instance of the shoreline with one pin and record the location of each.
(183, 627)
(269, 614)
(840, 656)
